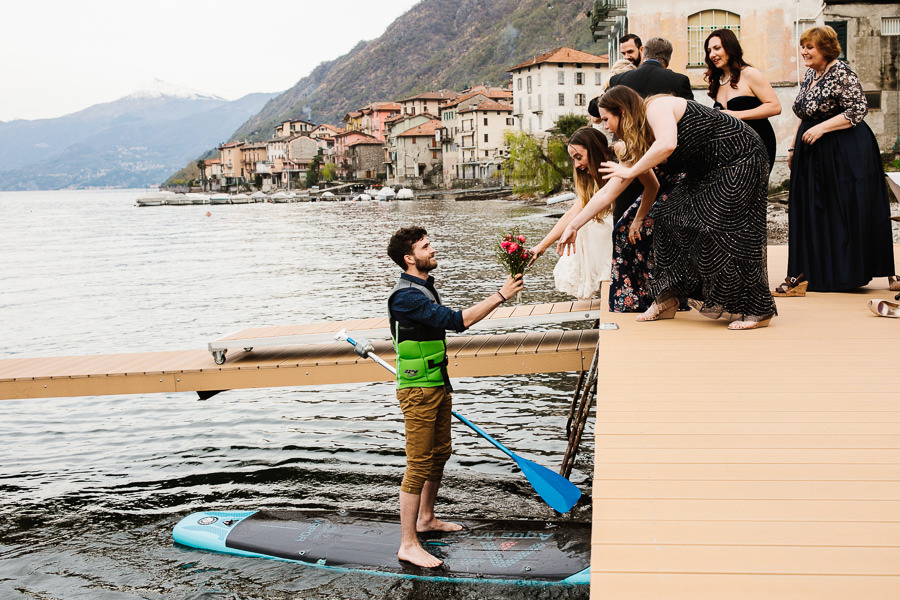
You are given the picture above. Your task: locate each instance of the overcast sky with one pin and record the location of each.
(60, 56)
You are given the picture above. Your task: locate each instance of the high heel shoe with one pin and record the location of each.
(664, 310)
(885, 308)
(792, 286)
(751, 322)
(894, 283)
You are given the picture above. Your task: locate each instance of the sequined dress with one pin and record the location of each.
(709, 237)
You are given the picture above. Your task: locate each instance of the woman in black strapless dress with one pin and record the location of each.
(739, 89)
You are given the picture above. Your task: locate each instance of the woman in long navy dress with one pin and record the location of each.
(839, 229)
(739, 89)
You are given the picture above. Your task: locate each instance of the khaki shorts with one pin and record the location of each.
(426, 417)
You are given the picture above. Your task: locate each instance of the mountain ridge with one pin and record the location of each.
(437, 44)
(134, 141)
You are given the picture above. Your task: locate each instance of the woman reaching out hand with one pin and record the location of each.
(710, 233)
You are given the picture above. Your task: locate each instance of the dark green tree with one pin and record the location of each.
(201, 164)
(570, 123)
(312, 173)
(535, 164)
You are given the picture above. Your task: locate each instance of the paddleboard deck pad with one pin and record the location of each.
(520, 552)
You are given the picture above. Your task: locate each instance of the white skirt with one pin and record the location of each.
(581, 273)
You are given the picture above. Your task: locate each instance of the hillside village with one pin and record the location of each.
(441, 138)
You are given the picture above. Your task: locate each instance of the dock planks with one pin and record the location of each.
(302, 364)
(750, 464)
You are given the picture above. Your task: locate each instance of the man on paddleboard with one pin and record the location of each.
(418, 325)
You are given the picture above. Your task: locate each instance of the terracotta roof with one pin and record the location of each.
(492, 93)
(327, 126)
(439, 95)
(564, 55)
(232, 145)
(425, 129)
(213, 161)
(351, 132)
(372, 142)
(353, 114)
(489, 105)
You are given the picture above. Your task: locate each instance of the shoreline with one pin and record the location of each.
(776, 217)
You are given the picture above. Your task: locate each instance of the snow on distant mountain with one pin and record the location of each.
(157, 88)
(134, 141)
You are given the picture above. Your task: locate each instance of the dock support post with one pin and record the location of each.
(582, 400)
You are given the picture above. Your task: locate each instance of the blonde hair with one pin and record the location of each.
(631, 110)
(620, 66)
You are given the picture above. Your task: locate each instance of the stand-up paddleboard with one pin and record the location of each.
(519, 552)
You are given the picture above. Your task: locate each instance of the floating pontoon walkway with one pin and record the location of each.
(750, 464)
(303, 355)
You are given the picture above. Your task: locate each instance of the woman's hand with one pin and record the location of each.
(811, 135)
(612, 169)
(535, 254)
(634, 231)
(566, 244)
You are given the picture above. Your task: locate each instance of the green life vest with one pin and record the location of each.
(421, 350)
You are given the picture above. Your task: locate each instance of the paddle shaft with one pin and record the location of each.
(467, 422)
(557, 491)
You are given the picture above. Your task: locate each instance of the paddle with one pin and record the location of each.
(557, 491)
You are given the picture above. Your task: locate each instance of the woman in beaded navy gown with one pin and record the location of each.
(839, 228)
(739, 89)
(710, 233)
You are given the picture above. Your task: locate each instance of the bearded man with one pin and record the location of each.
(418, 326)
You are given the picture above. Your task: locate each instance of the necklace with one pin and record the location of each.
(817, 76)
(726, 80)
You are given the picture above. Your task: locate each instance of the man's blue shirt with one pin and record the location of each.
(409, 304)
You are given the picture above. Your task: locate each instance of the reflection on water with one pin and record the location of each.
(92, 486)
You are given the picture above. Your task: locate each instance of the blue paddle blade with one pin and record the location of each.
(557, 491)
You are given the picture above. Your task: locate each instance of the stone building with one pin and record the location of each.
(769, 31)
(553, 84)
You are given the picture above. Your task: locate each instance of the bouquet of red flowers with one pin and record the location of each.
(511, 252)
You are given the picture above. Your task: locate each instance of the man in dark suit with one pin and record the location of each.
(654, 76)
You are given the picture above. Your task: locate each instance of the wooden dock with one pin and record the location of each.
(295, 365)
(750, 464)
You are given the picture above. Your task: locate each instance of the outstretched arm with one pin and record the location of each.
(600, 201)
(511, 287)
(554, 234)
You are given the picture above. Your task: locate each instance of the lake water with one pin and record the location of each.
(91, 486)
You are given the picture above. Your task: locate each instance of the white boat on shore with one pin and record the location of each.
(178, 200)
(154, 198)
(405, 194)
(240, 199)
(220, 199)
(196, 198)
(280, 197)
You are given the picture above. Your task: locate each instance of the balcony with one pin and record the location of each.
(603, 15)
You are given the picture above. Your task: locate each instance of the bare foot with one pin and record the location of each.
(417, 555)
(436, 525)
